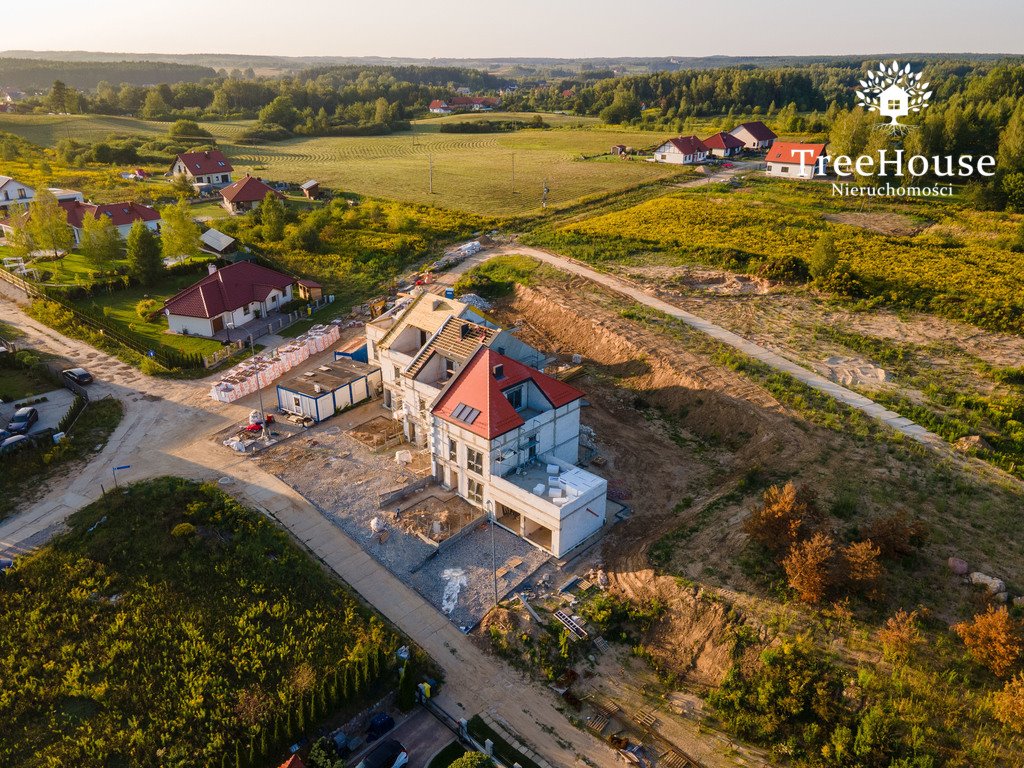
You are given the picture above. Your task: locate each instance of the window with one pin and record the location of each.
(475, 491)
(453, 450)
(296, 401)
(894, 104)
(784, 169)
(515, 397)
(398, 373)
(450, 366)
(474, 461)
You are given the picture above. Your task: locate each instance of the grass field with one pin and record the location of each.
(472, 172)
(119, 307)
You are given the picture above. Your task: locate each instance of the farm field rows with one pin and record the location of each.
(472, 172)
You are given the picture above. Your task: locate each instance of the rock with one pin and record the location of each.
(1019, 601)
(1000, 597)
(993, 585)
(958, 566)
(972, 443)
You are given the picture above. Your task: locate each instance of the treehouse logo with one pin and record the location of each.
(893, 92)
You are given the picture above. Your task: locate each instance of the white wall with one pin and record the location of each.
(195, 326)
(12, 193)
(790, 170)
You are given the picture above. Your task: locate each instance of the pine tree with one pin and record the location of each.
(144, 262)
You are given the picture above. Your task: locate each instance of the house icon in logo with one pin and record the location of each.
(894, 103)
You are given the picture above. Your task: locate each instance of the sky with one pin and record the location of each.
(528, 28)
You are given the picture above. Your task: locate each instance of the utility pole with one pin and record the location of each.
(259, 389)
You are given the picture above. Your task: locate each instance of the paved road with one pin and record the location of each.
(776, 361)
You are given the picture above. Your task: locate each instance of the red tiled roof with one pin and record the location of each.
(758, 130)
(688, 145)
(293, 762)
(205, 163)
(475, 386)
(247, 190)
(722, 140)
(794, 152)
(437, 104)
(309, 283)
(227, 289)
(118, 213)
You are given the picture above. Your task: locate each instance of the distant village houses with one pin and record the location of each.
(464, 104)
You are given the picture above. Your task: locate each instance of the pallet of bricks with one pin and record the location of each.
(248, 376)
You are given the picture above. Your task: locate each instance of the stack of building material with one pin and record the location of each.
(248, 376)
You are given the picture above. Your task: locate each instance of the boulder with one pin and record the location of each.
(972, 444)
(1019, 601)
(958, 566)
(1000, 597)
(992, 584)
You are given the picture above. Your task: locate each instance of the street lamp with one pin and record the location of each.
(259, 390)
(230, 327)
(494, 557)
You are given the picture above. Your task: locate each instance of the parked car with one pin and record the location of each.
(77, 375)
(22, 420)
(380, 724)
(5, 563)
(14, 443)
(389, 754)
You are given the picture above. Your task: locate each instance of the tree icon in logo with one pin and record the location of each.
(893, 92)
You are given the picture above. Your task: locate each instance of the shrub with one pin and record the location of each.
(900, 635)
(992, 639)
(785, 269)
(861, 566)
(183, 530)
(473, 760)
(786, 515)
(896, 535)
(146, 308)
(808, 567)
(1008, 704)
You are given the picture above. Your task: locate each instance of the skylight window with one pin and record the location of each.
(465, 413)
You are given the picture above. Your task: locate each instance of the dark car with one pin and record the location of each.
(5, 564)
(22, 420)
(389, 754)
(14, 443)
(77, 375)
(380, 724)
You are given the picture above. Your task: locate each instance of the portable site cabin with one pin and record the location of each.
(354, 349)
(322, 392)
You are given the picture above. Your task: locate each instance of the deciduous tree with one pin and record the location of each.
(808, 567)
(992, 639)
(272, 215)
(861, 566)
(100, 243)
(1008, 704)
(179, 235)
(900, 636)
(786, 515)
(47, 225)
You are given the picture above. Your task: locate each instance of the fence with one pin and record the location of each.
(222, 354)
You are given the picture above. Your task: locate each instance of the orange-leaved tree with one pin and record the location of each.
(992, 639)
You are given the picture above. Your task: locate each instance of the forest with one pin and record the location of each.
(39, 74)
(171, 626)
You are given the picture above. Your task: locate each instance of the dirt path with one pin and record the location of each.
(776, 361)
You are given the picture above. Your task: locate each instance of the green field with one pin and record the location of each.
(170, 626)
(472, 172)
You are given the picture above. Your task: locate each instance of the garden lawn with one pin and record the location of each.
(19, 383)
(170, 626)
(119, 307)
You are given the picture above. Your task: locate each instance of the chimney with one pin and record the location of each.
(499, 371)
(211, 268)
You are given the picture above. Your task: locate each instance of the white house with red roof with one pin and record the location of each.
(793, 160)
(506, 439)
(236, 294)
(723, 144)
(464, 104)
(246, 194)
(14, 194)
(201, 168)
(682, 150)
(121, 215)
(754, 135)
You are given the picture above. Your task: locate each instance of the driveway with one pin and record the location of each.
(420, 733)
(58, 402)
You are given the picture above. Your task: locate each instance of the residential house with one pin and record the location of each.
(723, 144)
(754, 135)
(14, 194)
(420, 344)
(66, 195)
(11, 95)
(203, 168)
(246, 194)
(121, 215)
(792, 160)
(440, 107)
(330, 388)
(505, 437)
(227, 297)
(215, 242)
(681, 151)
